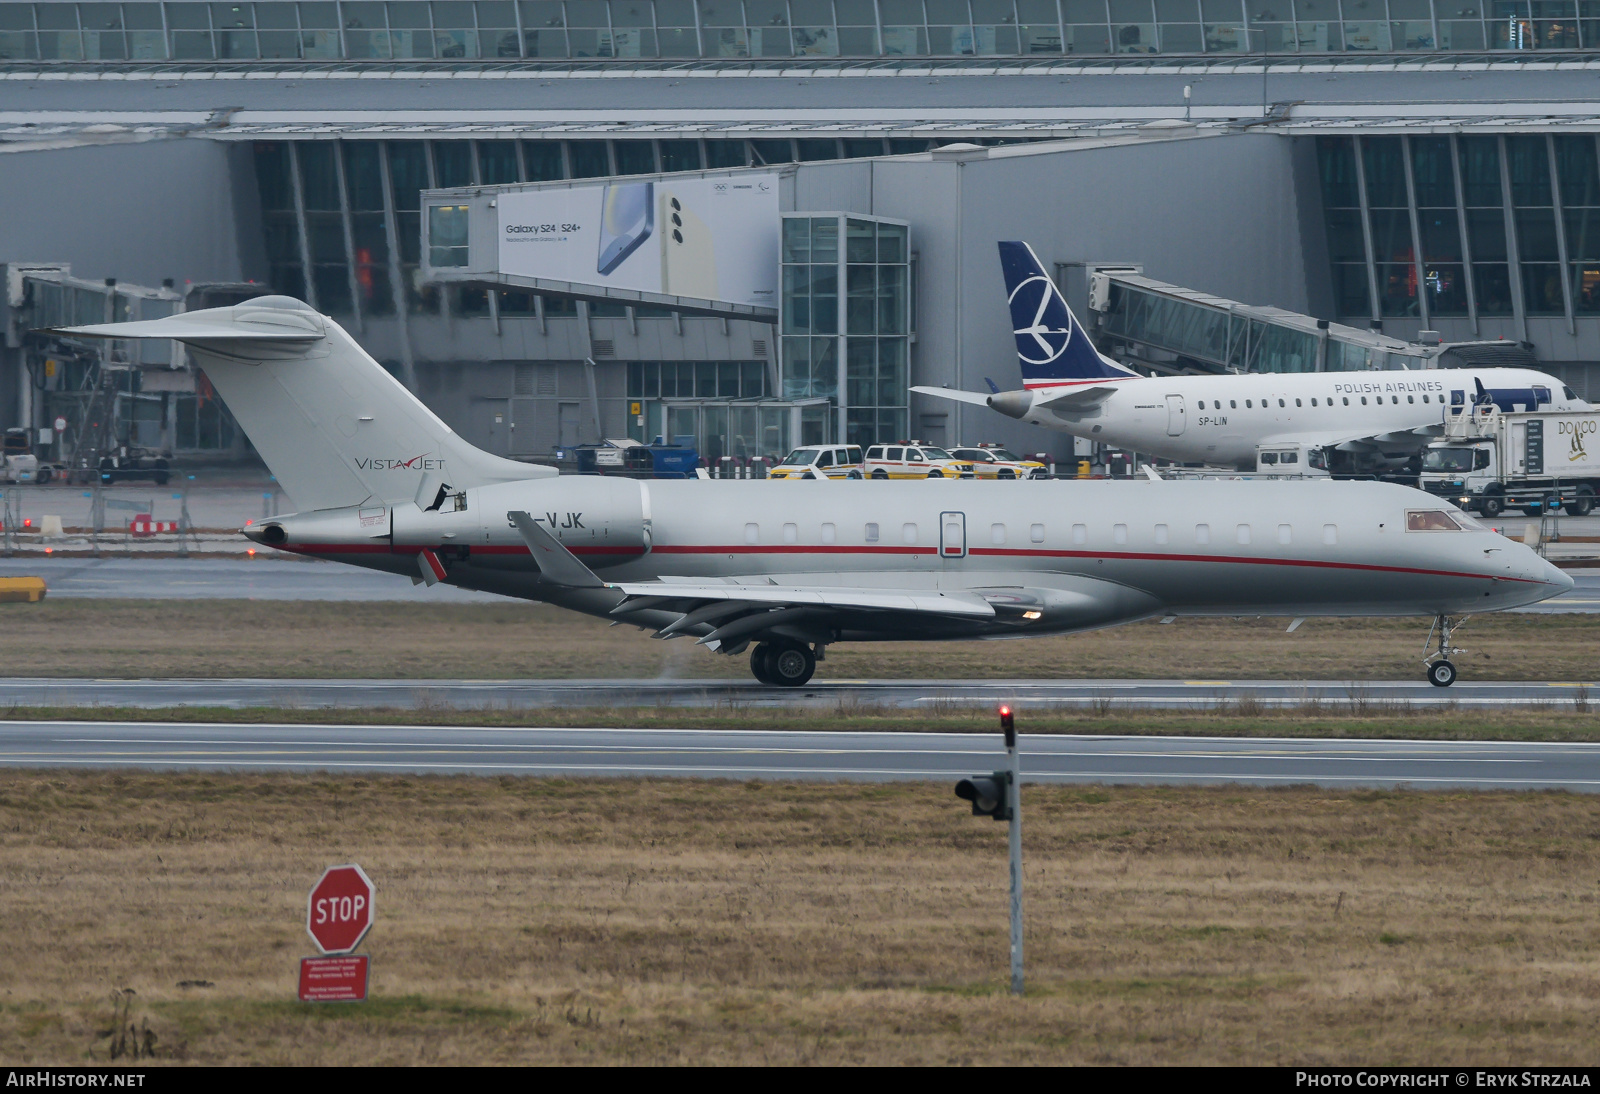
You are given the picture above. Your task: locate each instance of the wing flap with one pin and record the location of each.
(775, 596)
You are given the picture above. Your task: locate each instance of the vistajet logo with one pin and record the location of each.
(415, 463)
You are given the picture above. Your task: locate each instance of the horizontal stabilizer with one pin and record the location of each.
(264, 319)
(557, 565)
(974, 397)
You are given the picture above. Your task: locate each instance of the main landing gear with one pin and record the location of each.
(783, 664)
(1441, 670)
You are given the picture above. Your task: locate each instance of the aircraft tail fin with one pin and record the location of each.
(1052, 347)
(332, 425)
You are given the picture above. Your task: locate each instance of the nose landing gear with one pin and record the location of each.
(1441, 670)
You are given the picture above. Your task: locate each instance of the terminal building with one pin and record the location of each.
(1262, 186)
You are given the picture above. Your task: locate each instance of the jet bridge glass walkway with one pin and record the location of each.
(1173, 329)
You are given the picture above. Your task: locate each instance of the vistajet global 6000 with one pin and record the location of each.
(381, 482)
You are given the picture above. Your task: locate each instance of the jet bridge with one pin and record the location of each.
(1167, 329)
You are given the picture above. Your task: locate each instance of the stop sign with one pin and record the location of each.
(339, 910)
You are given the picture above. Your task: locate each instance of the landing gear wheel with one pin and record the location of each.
(1441, 674)
(791, 666)
(760, 663)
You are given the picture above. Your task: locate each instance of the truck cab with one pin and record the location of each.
(1291, 460)
(1463, 472)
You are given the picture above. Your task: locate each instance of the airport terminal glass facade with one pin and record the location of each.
(641, 30)
(846, 301)
(1439, 227)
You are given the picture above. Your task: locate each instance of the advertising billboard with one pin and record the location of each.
(703, 238)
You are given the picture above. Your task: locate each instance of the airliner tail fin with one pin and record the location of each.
(332, 425)
(1052, 347)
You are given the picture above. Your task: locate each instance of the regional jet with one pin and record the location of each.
(1346, 420)
(786, 570)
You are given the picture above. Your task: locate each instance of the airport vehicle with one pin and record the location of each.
(129, 464)
(820, 461)
(1492, 461)
(990, 461)
(382, 482)
(17, 461)
(1365, 421)
(1292, 459)
(913, 460)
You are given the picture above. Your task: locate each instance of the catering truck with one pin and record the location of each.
(1491, 461)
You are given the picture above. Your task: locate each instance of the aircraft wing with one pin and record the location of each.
(1074, 398)
(1350, 442)
(977, 398)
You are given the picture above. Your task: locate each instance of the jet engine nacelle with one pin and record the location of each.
(1014, 404)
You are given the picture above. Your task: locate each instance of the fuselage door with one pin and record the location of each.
(952, 535)
(1175, 415)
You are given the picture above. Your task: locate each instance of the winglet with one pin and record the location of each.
(557, 565)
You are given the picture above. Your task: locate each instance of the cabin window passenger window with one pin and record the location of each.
(1244, 533)
(752, 533)
(908, 533)
(997, 534)
(1330, 534)
(1347, 400)
(1036, 533)
(1280, 402)
(1395, 399)
(1430, 520)
(1080, 534)
(1297, 402)
(1363, 400)
(1202, 533)
(1424, 398)
(1119, 533)
(1249, 404)
(872, 533)
(1161, 533)
(1233, 403)
(791, 534)
(1411, 398)
(1313, 402)
(1285, 534)
(829, 534)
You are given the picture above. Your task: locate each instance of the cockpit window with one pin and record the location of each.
(1430, 520)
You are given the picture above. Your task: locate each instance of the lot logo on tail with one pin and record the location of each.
(1040, 341)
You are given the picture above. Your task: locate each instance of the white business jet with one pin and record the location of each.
(1346, 420)
(785, 571)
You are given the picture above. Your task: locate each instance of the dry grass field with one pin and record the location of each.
(560, 921)
(175, 638)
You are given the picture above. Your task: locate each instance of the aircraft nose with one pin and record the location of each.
(1554, 575)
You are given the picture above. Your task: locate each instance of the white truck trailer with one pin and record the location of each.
(1491, 461)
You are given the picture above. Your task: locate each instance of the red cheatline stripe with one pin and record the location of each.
(889, 549)
(1037, 384)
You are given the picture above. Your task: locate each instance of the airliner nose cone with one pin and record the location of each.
(1558, 577)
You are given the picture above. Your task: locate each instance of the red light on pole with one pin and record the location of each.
(1008, 723)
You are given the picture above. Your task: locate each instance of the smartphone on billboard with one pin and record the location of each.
(627, 217)
(688, 254)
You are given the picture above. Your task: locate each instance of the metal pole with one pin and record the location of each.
(1014, 794)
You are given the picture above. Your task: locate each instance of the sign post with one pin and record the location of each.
(339, 913)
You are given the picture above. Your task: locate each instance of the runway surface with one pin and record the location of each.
(745, 693)
(865, 757)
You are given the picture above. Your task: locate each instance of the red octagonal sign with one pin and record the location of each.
(339, 910)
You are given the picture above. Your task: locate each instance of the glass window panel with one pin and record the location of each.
(1575, 167)
(319, 178)
(892, 243)
(811, 149)
(1346, 241)
(726, 153)
(1386, 172)
(187, 45)
(634, 157)
(363, 183)
(860, 241)
(1391, 235)
(900, 11)
(796, 239)
(19, 46)
(1221, 11)
(1397, 289)
(272, 175)
(1441, 235)
(1367, 37)
(1412, 35)
(1431, 172)
(1528, 163)
(547, 42)
(20, 16)
(824, 240)
(1134, 38)
(1583, 234)
(1408, 9)
(947, 12)
(541, 14)
(815, 42)
(371, 240)
(1319, 37)
(1586, 288)
(374, 291)
(766, 13)
(452, 163)
(408, 172)
(1183, 38)
(179, 16)
(281, 235)
(1536, 235)
(1486, 234)
(1480, 170)
(587, 13)
(675, 13)
(905, 41)
(1461, 35)
(680, 155)
(1178, 11)
(588, 159)
(542, 160)
(1541, 289)
(1491, 281)
(752, 380)
(855, 148)
(321, 15)
(721, 13)
(409, 14)
(497, 162)
(1336, 160)
(631, 13)
(1446, 287)
(677, 43)
(815, 13)
(279, 44)
(496, 13)
(232, 15)
(325, 232)
(772, 151)
(333, 288)
(109, 17)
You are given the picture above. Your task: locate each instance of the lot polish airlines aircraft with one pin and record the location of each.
(1370, 419)
(785, 569)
